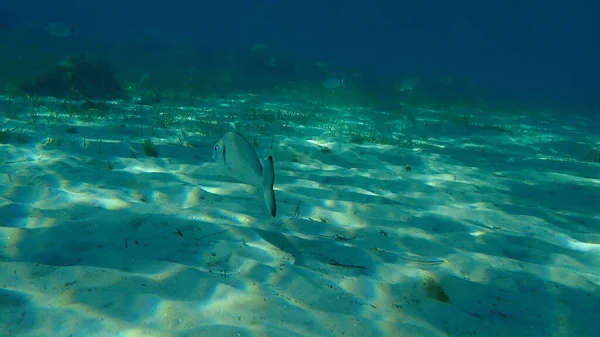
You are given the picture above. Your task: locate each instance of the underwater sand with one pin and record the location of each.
(494, 230)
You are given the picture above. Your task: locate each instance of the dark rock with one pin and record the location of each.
(78, 76)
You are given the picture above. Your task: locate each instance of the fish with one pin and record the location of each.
(235, 154)
(333, 83)
(59, 30)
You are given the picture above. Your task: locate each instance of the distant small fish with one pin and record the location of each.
(240, 161)
(333, 83)
(59, 30)
(408, 84)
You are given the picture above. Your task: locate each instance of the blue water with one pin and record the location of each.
(448, 187)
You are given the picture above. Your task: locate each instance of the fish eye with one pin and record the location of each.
(216, 148)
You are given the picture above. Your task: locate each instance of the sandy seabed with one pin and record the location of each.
(385, 226)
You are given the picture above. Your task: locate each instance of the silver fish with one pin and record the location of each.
(240, 161)
(59, 30)
(333, 83)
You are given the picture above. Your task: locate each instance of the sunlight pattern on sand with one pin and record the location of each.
(380, 238)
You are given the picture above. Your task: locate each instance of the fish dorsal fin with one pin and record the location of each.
(268, 181)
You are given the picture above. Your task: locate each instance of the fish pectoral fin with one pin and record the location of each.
(268, 181)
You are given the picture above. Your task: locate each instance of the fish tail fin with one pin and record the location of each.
(268, 181)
